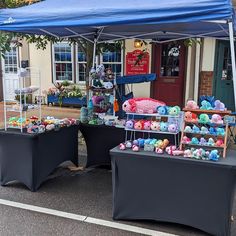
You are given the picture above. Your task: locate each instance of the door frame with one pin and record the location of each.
(156, 55)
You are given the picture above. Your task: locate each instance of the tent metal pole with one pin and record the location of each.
(94, 52)
(232, 50)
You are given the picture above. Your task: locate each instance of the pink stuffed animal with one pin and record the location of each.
(138, 125)
(141, 105)
(155, 125)
(186, 140)
(216, 119)
(147, 125)
(192, 105)
(170, 149)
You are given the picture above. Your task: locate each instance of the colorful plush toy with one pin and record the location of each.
(211, 142)
(129, 124)
(214, 156)
(153, 141)
(187, 153)
(177, 152)
(174, 111)
(122, 146)
(203, 141)
(135, 142)
(135, 148)
(219, 105)
(188, 129)
(216, 119)
(138, 125)
(128, 144)
(204, 130)
(205, 105)
(212, 131)
(155, 125)
(162, 110)
(195, 129)
(141, 105)
(141, 142)
(170, 149)
(204, 119)
(194, 141)
(186, 140)
(219, 143)
(165, 143)
(220, 131)
(163, 126)
(192, 105)
(147, 141)
(190, 117)
(159, 151)
(172, 128)
(147, 125)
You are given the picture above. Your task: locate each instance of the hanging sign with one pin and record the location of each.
(134, 66)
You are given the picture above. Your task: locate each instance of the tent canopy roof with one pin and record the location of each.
(149, 19)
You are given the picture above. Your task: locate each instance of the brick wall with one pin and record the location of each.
(206, 83)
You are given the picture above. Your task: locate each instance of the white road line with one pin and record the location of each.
(84, 219)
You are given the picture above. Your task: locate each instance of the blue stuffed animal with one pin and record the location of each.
(141, 142)
(163, 126)
(162, 110)
(147, 141)
(220, 131)
(196, 129)
(205, 105)
(214, 156)
(194, 141)
(212, 131)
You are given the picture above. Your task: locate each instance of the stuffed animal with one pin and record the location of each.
(159, 143)
(128, 144)
(203, 141)
(219, 106)
(172, 128)
(205, 105)
(174, 111)
(155, 125)
(212, 131)
(135, 148)
(204, 130)
(159, 151)
(211, 142)
(147, 125)
(219, 143)
(141, 105)
(190, 117)
(216, 119)
(147, 141)
(204, 119)
(220, 131)
(162, 110)
(192, 105)
(170, 149)
(138, 125)
(97, 99)
(194, 141)
(165, 143)
(186, 140)
(187, 153)
(196, 129)
(141, 142)
(188, 129)
(122, 146)
(177, 152)
(107, 85)
(214, 156)
(163, 126)
(153, 141)
(129, 124)
(135, 142)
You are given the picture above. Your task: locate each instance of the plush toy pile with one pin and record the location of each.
(203, 118)
(206, 105)
(217, 131)
(203, 142)
(34, 125)
(201, 154)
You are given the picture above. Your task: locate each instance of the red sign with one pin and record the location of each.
(134, 66)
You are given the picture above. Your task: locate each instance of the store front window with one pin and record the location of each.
(63, 61)
(81, 65)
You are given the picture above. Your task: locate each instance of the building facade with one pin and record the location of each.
(182, 72)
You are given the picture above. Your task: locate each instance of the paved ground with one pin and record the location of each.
(86, 193)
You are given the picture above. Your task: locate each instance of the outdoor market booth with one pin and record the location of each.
(195, 189)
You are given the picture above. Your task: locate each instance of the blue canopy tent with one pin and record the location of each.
(104, 21)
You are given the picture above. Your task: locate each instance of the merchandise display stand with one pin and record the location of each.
(174, 120)
(224, 137)
(25, 88)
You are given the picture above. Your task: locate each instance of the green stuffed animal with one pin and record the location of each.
(205, 105)
(204, 119)
(174, 111)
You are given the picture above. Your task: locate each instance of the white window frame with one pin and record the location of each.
(54, 63)
(115, 63)
(77, 67)
(17, 61)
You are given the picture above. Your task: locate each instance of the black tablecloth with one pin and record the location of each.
(174, 189)
(30, 158)
(99, 140)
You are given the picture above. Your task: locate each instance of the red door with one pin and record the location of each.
(169, 65)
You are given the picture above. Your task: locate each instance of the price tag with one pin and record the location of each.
(229, 119)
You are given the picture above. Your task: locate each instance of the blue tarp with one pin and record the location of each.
(152, 19)
(133, 79)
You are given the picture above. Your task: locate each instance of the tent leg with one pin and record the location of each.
(232, 50)
(94, 52)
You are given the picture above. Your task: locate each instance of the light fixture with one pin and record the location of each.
(137, 43)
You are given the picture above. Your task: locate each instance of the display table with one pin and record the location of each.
(99, 140)
(174, 189)
(30, 158)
